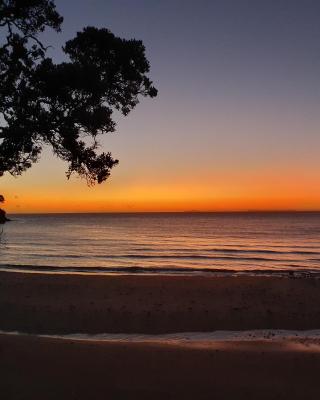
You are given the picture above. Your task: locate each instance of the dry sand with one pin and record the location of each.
(43, 369)
(33, 367)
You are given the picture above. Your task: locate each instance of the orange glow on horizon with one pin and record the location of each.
(282, 188)
(267, 195)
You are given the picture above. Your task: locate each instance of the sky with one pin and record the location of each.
(235, 125)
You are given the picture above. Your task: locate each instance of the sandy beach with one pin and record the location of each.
(37, 367)
(43, 368)
(47, 303)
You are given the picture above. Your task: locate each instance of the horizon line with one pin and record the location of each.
(171, 212)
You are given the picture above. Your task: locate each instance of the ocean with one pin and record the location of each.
(185, 243)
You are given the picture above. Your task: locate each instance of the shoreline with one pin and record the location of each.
(186, 338)
(152, 271)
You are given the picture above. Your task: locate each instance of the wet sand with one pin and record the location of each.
(33, 367)
(44, 303)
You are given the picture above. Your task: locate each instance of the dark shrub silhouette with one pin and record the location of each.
(3, 217)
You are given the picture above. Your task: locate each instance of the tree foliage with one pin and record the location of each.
(64, 105)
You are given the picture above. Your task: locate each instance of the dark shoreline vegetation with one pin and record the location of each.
(3, 217)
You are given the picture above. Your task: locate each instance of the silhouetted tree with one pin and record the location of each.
(63, 105)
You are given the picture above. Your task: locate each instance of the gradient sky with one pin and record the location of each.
(235, 125)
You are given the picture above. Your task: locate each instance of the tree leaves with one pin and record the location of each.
(65, 105)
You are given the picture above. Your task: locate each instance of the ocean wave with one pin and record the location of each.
(229, 250)
(160, 257)
(299, 270)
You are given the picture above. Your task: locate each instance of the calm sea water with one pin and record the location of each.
(163, 242)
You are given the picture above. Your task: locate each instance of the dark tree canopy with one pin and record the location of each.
(64, 105)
